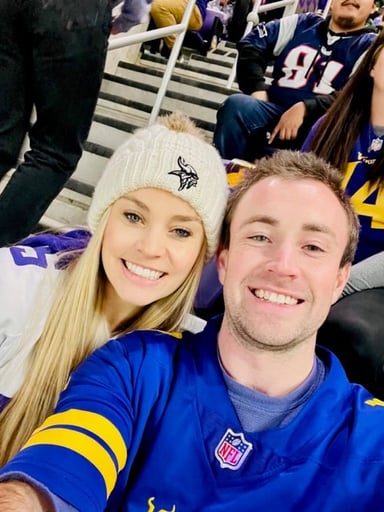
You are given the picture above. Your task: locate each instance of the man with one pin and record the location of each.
(312, 58)
(243, 416)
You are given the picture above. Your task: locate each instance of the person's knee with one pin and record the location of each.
(8, 158)
(232, 105)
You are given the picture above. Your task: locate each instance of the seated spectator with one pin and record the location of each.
(155, 219)
(265, 419)
(312, 58)
(165, 13)
(351, 138)
(132, 13)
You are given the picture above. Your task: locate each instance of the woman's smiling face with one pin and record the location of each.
(151, 242)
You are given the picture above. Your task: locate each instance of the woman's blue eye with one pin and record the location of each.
(182, 233)
(132, 217)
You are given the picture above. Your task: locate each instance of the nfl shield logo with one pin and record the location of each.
(376, 145)
(232, 450)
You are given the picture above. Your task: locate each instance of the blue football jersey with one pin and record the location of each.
(146, 425)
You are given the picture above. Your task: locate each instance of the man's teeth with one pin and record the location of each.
(153, 275)
(277, 298)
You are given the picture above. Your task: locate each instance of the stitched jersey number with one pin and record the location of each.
(359, 199)
(296, 74)
(29, 256)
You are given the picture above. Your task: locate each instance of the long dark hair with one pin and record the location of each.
(347, 116)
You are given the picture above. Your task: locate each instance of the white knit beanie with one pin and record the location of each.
(166, 156)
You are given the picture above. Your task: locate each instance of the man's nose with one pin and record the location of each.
(283, 260)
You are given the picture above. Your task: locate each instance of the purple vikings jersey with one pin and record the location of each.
(146, 425)
(367, 197)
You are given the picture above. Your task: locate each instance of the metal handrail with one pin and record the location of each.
(140, 37)
(180, 30)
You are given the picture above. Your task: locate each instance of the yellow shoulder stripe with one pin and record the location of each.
(82, 445)
(373, 402)
(53, 432)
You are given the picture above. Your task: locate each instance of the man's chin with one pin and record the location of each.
(346, 22)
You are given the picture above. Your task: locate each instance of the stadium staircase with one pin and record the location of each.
(197, 87)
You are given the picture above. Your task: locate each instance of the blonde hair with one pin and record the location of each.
(75, 327)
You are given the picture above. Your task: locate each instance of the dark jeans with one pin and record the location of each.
(242, 126)
(55, 64)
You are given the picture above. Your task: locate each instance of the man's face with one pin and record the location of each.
(350, 14)
(281, 272)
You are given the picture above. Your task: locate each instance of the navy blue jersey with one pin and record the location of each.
(367, 196)
(309, 59)
(147, 421)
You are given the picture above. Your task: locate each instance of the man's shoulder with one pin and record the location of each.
(28, 270)
(153, 350)
(366, 432)
(139, 347)
(309, 20)
(353, 408)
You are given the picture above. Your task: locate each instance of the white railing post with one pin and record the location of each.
(171, 62)
(149, 35)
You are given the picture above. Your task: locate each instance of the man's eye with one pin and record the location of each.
(132, 217)
(260, 238)
(314, 248)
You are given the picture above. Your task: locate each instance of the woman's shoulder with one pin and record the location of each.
(30, 269)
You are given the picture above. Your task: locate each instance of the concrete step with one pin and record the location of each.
(200, 109)
(197, 87)
(69, 209)
(214, 70)
(142, 80)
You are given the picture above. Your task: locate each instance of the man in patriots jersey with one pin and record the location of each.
(245, 415)
(312, 58)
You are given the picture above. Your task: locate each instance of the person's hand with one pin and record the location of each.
(260, 95)
(17, 496)
(289, 123)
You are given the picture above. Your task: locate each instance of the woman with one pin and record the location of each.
(351, 138)
(155, 219)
